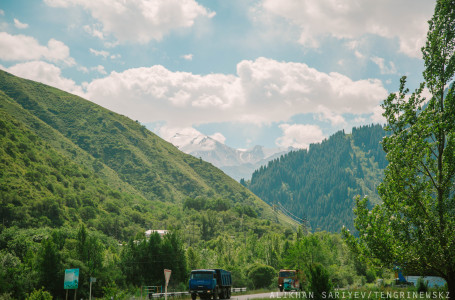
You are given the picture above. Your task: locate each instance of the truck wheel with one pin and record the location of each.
(281, 289)
(193, 296)
(215, 294)
(229, 293)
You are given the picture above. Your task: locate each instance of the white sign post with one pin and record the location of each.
(167, 275)
(92, 279)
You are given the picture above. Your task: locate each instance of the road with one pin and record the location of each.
(269, 295)
(253, 296)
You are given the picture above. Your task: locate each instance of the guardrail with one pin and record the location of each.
(181, 294)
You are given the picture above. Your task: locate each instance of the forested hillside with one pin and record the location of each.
(319, 184)
(87, 163)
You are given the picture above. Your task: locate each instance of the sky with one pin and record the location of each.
(276, 73)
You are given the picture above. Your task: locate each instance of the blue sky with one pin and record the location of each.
(246, 72)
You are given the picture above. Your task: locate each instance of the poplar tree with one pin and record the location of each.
(414, 227)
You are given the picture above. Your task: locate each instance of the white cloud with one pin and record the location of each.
(20, 25)
(276, 90)
(325, 114)
(188, 57)
(358, 54)
(188, 139)
(2, 12)
(138, 20)
(94, 31)
(360, 120)
(383, 68)
(83, 69)
(99, 53)
(405, 20)
(299, 135)
(178, 135)
(218, 137)
(45, 73)
(377, 116)
(100, 69)
(263, 91)
(22, 48)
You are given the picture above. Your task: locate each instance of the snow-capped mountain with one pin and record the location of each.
(237, 163)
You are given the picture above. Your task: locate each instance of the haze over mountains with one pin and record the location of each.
(237, 163)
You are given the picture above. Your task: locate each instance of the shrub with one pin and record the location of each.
(40, 294)
(319, 281)
(370, 276)
(261, 275)
(422, 285)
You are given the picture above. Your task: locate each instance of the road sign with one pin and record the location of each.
(167, 275)
(71, 279)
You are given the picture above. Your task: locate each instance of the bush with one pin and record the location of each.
(261, 275)
(370, 276)
(40, 294)
(422, 285)
(319, 281)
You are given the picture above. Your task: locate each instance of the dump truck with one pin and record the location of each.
(210, 283)
(293, 284)
(289, 284)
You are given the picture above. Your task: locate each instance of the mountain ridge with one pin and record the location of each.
(237, 163)
(319, 184)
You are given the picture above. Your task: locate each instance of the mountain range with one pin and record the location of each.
(237, 163)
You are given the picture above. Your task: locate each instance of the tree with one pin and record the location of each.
(49, 267)
(319, 281)
(261, 275)
(413, 227)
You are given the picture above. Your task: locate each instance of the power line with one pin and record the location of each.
(294, 216)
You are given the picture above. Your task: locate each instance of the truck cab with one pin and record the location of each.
(210, 283)
(292, 279)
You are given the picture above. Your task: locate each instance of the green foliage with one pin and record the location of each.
(40, 294)
(261, 275)
(319, 184)
(422, 285)
(143, 261)
(413, 227)
(49, 267)
(319, 281)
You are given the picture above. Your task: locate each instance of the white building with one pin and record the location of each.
(162, 233)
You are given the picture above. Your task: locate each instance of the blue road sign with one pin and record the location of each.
(71, 279)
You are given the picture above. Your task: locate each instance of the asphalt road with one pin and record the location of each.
(253, 296)
(269, 295)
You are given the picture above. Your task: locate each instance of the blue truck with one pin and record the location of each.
(210, 283)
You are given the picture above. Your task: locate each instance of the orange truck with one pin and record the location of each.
(292, 284)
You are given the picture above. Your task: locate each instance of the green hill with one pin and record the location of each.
(65, 160)
(319, 185)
